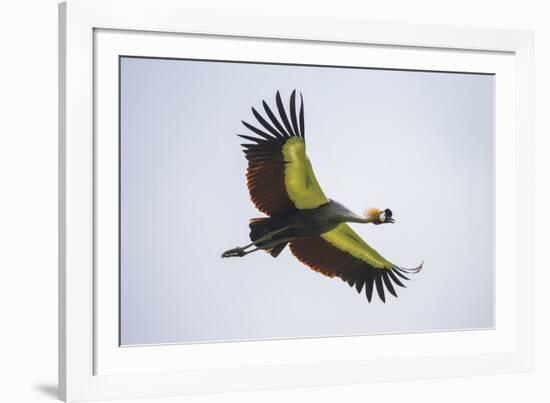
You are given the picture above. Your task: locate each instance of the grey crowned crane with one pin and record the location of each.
(283, 186)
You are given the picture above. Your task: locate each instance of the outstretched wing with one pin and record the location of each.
(280, 178)
(341, 252)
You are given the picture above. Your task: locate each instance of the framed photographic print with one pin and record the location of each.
(204, 248)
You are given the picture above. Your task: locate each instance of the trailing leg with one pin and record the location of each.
(274, 248)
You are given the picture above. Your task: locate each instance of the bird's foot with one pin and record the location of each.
(234, 252)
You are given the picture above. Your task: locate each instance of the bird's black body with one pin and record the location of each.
(299, 224)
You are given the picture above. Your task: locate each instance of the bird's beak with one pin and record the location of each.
(391, 220)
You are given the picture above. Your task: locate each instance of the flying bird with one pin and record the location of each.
(282, 185)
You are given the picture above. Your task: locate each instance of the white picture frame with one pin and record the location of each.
(93, 366)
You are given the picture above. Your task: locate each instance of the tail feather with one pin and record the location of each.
(260, 227)
(276, 250)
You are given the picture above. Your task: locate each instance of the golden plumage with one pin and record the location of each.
(372, 213)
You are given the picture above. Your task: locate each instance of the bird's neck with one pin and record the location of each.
(357, 219)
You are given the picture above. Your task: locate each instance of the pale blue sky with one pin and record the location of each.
(418, 143)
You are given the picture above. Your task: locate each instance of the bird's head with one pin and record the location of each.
(377, 216)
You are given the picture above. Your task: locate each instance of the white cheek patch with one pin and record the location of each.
(382, 217)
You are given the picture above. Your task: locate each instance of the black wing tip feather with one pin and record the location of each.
(415, 270)
(302, 125)
(379, 281)
(383, 280)
(404, 272)
(282, 127)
